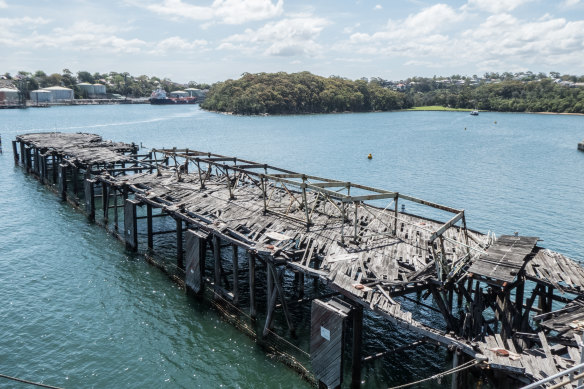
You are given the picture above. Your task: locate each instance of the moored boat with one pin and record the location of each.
(474, 113)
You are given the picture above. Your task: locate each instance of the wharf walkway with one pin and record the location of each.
(513, 306)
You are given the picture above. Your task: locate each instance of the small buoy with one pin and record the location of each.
(464, 128)
(370, 156)
(495, 122)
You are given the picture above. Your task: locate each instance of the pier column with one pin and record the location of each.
(252, 297)
(28, 159)
(327, 341)
(131, 224)
(105, 201)
(89, 199)
(235, 274)
(22, 153)
(217, 257)
(37, 165)
(63, 181)
(54, 168)
(195, 253)
(357, 346)
(149, 226)
(15, 152)
(74, 178)
(179, 243)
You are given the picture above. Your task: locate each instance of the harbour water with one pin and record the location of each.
(79, 311)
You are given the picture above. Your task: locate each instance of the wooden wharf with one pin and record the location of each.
(511, 305)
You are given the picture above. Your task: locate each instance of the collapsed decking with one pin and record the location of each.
(352, 237)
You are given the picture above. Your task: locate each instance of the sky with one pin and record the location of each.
(214, 40)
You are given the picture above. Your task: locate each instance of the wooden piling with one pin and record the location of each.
(15, 152)
(252, 296)
(63, 181)
(357, 313)
(179, 244)
(89, 198)
(131, 224)
(235, 260)
(195, 253)
(217, 261)
(149, 226)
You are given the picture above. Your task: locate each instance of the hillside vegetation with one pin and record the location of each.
(283, 93)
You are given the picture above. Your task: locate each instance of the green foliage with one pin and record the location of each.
(283, 93)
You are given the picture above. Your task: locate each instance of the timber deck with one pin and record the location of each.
(352, 237)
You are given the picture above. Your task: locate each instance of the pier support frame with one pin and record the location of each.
(131, 224)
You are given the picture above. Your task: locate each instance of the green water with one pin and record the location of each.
(79, 311)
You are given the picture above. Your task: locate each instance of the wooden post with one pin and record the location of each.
(357, 345)
(89, 199)
(327, 331)
(105, 201)
(195, 244)
(54, 168)
(63, 181)
(74, 178)
(179, 243)
(252, 299)
(454, 366)
(149, 226)
(235, 274)
(28, 159)
(22, 153)
(131, 224)
(37, 166)
(217, 258)
(15, 152)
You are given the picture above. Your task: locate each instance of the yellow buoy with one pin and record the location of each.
(370, 156)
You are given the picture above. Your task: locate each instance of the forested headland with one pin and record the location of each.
(283, 93)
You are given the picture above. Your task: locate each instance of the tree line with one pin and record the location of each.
(122, 83)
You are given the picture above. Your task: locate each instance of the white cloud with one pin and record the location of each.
(81, 36)
(223, 11)
(570, 3)
(495, 6)
(3, 4)
(178, 44)
(287, 37)
(378, 6)
(441, 36)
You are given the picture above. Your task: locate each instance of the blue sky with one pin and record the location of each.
(213, 40)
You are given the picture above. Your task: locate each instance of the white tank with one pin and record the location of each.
(86, 89)
(41, 96)
(60, 93)
(99, 89)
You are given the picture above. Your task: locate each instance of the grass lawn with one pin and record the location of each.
(437, 108)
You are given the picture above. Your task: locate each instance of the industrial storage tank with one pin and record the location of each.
(41, 96)
(179, 93)
(60, 93)
(99, 90)
(86, 89)
(8, 96)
